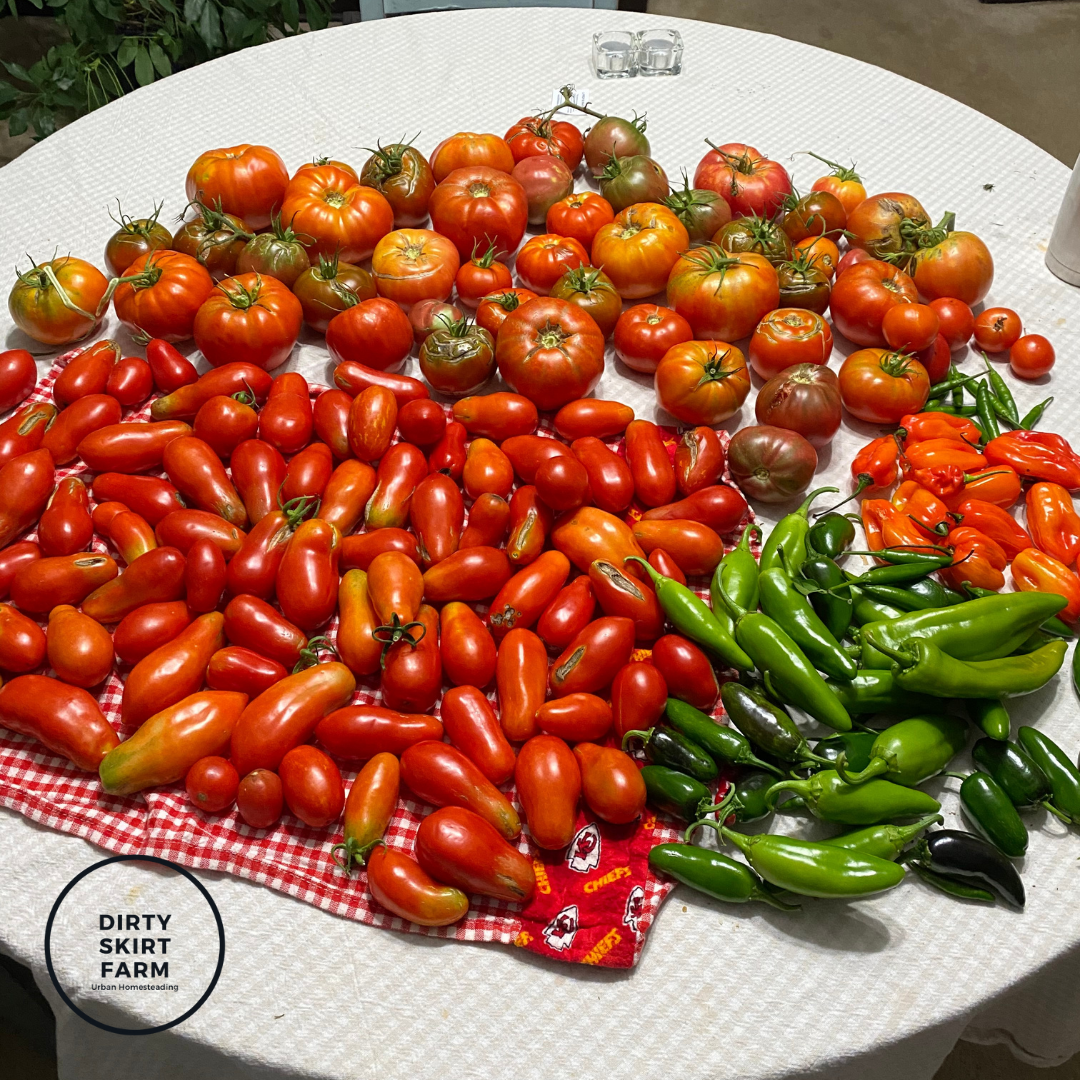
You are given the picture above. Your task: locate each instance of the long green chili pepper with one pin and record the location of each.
(959, 889)
(958, 391)
(905, 599)
(911, 751)
(926, 554)
(875, 691)
(932, 593)
(1035, 414)
(1001, 391)
(720, 742)
(992, 814)
(664, 746)
(676, 793)
(883, 841)
(693, 618)
(988, 420)
(1002, 413)
(766, 724)
(737, 571)
(867, 611)
(790, 533)
(794, 614)
(991, 716)
(925, 668)
(967, 411)
(830, 798)
(949, 385)
(833, 608)
(1064, 777)
(714, 874)
(1053, 625)
(900, 573)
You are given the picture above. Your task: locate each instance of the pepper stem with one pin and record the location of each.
(877, 766)
(1060, 814)
(774, 901)
(637, 733)
(693, 827)
(798, 786)
(804, 510)
(734, 610)
(865, 480)
(655, 575)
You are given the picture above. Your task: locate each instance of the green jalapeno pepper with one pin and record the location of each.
(675, 793)
(1064, 777)
(906, 598)
(857, 746)
(830, 798)
(810, 868)
(766, 724)
(790, 534)
(883, 841)
(991, 716)
(992, 814)
(665, 746)
(911, 751)
(693, 618)
(922, 666)
(983, 629)
(714, 874)
(830, 535)
(969, 858)
(962, 890)
(792, 611)
(867, 611)
(833, 608)
(877, 692)
(737, 572)
(749, 799)
(720, 742)
(1017, 775)
(933, 594)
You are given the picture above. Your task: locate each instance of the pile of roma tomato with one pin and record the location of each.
(455, 547)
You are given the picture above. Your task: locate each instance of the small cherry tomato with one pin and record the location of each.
(260, 799)
(212, 784)
(1031, 356)
(421, 422)
(956, 321)
(997, 329)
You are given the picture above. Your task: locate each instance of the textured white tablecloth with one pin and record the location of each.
(880, 988)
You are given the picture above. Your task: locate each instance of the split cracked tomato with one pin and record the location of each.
(590, 662)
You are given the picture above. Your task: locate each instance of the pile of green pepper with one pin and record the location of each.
(796, 631)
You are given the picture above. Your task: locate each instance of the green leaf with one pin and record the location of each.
(17, 122)
(17, 70)
(210, 28)
(193, 9)
(233, 20)
(126, 53)
(44, 123)
(290, 11)
(36, 3)
(169, 6)
(162, 65)
(144, 69)
(8, 93)
(318, 15)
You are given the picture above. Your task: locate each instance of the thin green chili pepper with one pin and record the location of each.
(911, 751)
(987, 417)
(925, 554)
(665, 746)
(922, 666)
(902, 598)
(790, 533)
(867, 611)
(830, 798)
(794, 614)
(766, 724)
(1035, 414)
(934, 593)
(991, 716)
(992, 814)
(738, 572)
(1064, 777)
(883, 841)
(875, 691)
(714, 874)
(675, 793)
(720, 742)
(1002, 413)
(833, 608)
(957, 391)
(1001, 391)
(693, 618)
(952, 410)
(900, 573)
(830, 535)
(960, 889)
(982, 629)
(858, 746)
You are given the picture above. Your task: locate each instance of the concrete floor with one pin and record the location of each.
(1014, 62)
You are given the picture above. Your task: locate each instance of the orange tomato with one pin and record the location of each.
(410, 265)
(723, 295)
(702, 382)
(249, 181)
(544, 259)
(467, 149)
(639, 248)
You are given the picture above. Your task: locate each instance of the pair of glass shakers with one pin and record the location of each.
(622, 54)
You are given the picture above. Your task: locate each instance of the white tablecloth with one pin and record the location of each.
(882, 987)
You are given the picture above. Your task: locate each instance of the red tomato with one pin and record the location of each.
(421, 422)
(750, 183)
(414, 264)
(611, 783)
(789, 336)
(997, 329)
(467, 150)
(533, 136)
(650, 464)
(312, 786)
(56, 302)
(466, 646)
(852, 257)
(225, 423)
(481, 275)
(686, 671)
(480, 204)
(861, 296)
(401, 886)
(562, 483)
(243, 671)
(956, 321)
(881, 386)
(548, 782)
(163, 294)
(18, 374)
(580, 216)
(248, 181)
(1031, 356)
(372, 419)
(260, 799)
(638, 697)
(590, 662)
(645, 332)
(494, 309)
(952, 264)
(639, 248)
(910, 327)
(702, 382)
(723, 296)
(148, 628)
(375, 332)
(551, 352)
(567, 615)
(610, 479)
(22, 643)
(212, 783)
(65, 525)
(249, 318)
(472, 726)
(131, 382)
(544, 259)
(887, 224)
(575, 717)
(936, 358)
(335, 214)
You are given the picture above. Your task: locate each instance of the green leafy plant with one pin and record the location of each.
(116, 45)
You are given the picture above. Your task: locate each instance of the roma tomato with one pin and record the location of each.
(330, 287)
(863, 294)
(480, 204)
(18, 374)
(611, 783)
(910, 327)
(489, 520)
(336, 214)
(404, 889)
(471, 726)
(481, 275)
(997, 329)
(687, 671)
(404, 177)
(149, 627)
(466, 646)
(233, 378)
(639, 248)
(771, 464)
(57, 302)
(521, 600)
(25, 431)
(575, 717)
(260, 799)
(253, 624)
(592, 659)
(258, 471)
(410, 265)
(650, 463)
(544, 259)
(13, 560)
(22, 644)
(74, 423)
(567, 615)
(956, 321)
(65, 526)
(437, 516)
(360, 550)
(530, 523)
(372, 420)
(131, 382)
(375, 331)
(487, 469)
(497, 416)
(534, 136)
(346, 494)
(887, 224)
(521, 681)
(695, 548)
(493, 309)
(804, 398)
(592, 291)
(468, 149)
(610, 479)
(471, 574)
(307, 576)
(247, 180)
(951, 264)
(162, 295)
(645, 332)
(249, 318)
(199, 475)
(699, 460)
(580, 216)
(137, 446)
(1031, 356)
(590, 534)
(881, 386)
(412, 673)
(789, 336)
(357, 646)
(242, 671)
(225, 423)
(562, 483)
(86, 373)
(330, 415)
(638, 697)
(620, 595)
(750, 183)
(361, 732)
(312, 786)
(204, 575)
(527, 453)
(548, 782)
(551, 352)
(702, 382)
(401, 468)
(211, 784)
(26, 482)
(722, 296)
(545, 180)
(153, 578)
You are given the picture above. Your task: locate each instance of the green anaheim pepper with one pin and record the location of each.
(883, 841)
(737, 574)
(877, 692)
(790, 535)
(831, 799)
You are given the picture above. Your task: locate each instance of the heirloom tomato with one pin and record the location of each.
(951, 264)
(645, 332)
(592, 291)
(163, 295)
(535, 136)
(249, 318)
(277, 253)
(803, 284)
(546, 180)
(887, 225)
(634, 179)
(771, 464)
(135, 237)
(481, 275)
(249, 181)
(639, 248)
(331, 287)
(804, 398)
(759, 235)
(57, 302)
(612, 136)
(458, 360)
(414, 264)
(862, 295)
(821, 253)
(580, 217)
(702, 212)
(544, 259)
(214, 239)
(427, 316)
(789, 336)
(722, 296)
(467, 150)
(702, 382)
(404, 177)
(493, 309)
(374, 332)
(480, 204)
(750, 183)
(820, 213)
(843, 182)
(880, 386)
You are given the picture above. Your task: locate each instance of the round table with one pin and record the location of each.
(883, 987)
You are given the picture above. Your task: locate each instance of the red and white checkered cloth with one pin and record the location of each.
(593, 902)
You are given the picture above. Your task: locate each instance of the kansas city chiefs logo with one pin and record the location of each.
(560, 932)
(635, 907)
(583, 855)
